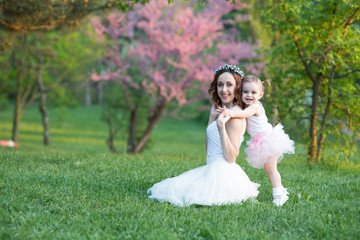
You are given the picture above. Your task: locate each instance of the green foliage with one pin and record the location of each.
(68, 61)
(62, 96)
(18, 71)
(315, 41)
(77, 56)
(52, 14)
(4, 103)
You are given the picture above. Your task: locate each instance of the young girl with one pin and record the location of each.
(267, 144)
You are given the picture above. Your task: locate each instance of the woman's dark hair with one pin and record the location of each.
(238, 89)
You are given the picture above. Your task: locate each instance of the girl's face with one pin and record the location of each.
(251, 92)
(226, 85)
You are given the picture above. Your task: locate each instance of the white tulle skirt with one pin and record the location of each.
(216, 183)
(261, 147)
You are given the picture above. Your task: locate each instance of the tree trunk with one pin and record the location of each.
(326, 114)
(111, 138)
(99, 91)
(17, 112)
(88, 93)
(313, 120)
(110, 143)
(322, 130)
(42, 107)
(153, 120)
(22, 92)
(132, 129)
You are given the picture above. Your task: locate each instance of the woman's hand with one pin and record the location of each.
(224, 110)
(222, 119)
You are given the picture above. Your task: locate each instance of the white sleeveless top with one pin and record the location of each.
(256, 125)
(213, 140)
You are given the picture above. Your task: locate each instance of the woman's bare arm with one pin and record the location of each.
(213, 114)
(212, 117)
(230, 131)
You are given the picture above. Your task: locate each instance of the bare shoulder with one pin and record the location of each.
(236, 124)
(257, 108)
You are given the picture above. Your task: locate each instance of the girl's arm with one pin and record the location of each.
(237, 112)
(230, 131)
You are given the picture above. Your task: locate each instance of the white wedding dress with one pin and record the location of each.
(216, 183)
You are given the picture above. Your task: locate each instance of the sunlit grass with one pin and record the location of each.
(76, 189)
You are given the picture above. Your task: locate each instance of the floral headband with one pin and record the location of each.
(233, 68)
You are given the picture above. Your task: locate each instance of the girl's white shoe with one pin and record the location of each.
(280, 196)
(280, 199)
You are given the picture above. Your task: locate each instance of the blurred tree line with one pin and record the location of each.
(36, 57)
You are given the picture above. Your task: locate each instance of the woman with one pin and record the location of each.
(221, 181)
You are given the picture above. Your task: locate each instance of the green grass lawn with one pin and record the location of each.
(76, 189)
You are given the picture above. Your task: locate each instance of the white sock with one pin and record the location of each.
(278, 190)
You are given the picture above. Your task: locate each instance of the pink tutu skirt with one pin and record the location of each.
(261, 147)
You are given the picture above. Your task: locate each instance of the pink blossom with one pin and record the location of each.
(172, 50)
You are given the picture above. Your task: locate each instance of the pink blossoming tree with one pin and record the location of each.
(174, 48)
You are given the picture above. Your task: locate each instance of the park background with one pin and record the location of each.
(106, 98)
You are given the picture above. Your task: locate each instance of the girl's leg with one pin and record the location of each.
(279, 192)
(271, 170)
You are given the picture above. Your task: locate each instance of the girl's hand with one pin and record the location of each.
(219, 109)
(222, 119)
(224, 110)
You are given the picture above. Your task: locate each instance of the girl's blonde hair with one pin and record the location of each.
(253, 78)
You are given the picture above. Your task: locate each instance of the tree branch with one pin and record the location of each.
(326, 114)
(347, 74)
(348, 20)
(327, 48)
(348, 23)
(127, 99)
(51, 15)
(298, 47)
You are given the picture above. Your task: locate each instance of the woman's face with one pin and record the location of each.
(226, 85)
